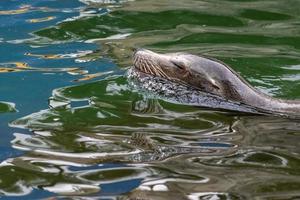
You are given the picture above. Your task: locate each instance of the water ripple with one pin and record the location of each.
(83, 132)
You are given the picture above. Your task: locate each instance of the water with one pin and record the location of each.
(71, 125)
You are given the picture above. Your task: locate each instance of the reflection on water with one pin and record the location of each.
(7, 107)
(103, 139)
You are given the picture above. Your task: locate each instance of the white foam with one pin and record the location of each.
(160, 187)
(72, 188)
(113, 37)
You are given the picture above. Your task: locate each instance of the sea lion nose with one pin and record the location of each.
(135, 50)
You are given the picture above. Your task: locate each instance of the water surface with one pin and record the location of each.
(72, 126)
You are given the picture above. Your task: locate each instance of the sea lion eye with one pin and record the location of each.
(178, 65)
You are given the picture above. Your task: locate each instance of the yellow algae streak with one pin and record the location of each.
(77, 71)
(14, 67)
(78, 54)
(92, 76)
(14, 12)
(5, 70)
(28, 8)
(44, 19)
(21, 65)
(47, 56)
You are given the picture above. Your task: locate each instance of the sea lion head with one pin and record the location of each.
(203, 73)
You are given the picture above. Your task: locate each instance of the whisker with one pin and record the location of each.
(150, 67)
(153, 67)
(134, 59)
(162, 72)
(141, 66)
(145, 68)
(146, 65)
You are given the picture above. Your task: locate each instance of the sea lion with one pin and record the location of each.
(209, 76)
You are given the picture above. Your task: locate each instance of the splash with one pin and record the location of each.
(184, 94)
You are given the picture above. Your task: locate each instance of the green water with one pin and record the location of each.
(6, 107)
(72, 127)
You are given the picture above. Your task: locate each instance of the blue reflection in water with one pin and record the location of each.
(120, 187)
(30, 90)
